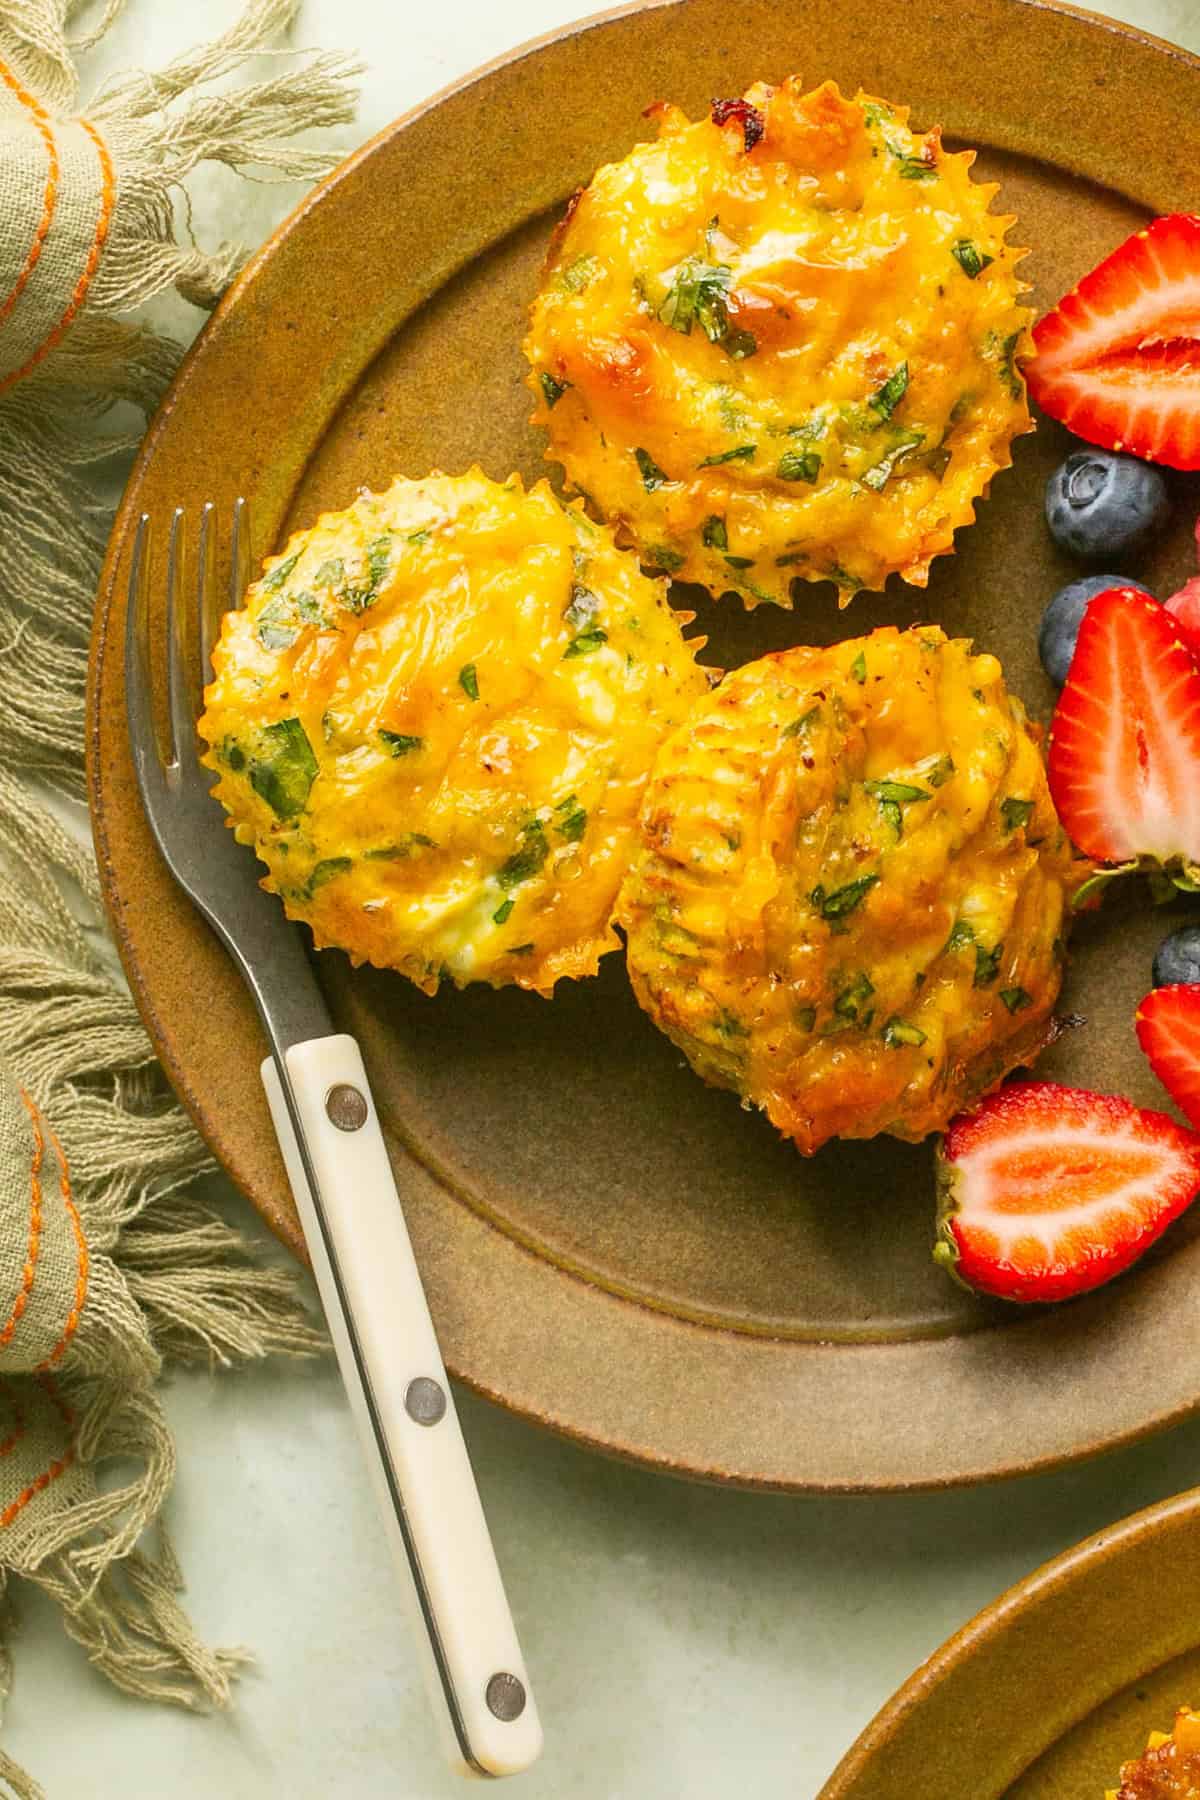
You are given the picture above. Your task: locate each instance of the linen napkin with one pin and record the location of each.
(109, 1265)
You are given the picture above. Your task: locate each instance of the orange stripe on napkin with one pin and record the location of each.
(41, 119)
(35, 1226)
(108, 197)
(54, 1469)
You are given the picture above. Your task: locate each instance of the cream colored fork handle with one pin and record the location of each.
(392, 1369)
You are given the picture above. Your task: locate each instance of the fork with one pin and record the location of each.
(345, 1192)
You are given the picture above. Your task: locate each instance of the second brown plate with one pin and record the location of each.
(610, 1247)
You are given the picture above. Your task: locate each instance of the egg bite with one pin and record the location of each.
(1169, 1767)
(433, 720)
(783, 342)
(851, 895)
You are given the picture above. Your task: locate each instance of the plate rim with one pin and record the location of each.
(983, 1634)
(160, 1031)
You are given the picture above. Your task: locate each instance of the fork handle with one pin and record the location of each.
(393, 1373)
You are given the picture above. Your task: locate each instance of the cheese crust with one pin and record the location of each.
(783, 342)
(434, 720)
(852, 892)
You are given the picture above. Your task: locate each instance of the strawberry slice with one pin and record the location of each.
(1124, 756)
(1047, 1191)
(1168, 1029)
(1185, 607)
(1118, 359)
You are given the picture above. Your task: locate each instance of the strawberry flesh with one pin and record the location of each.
(1118, 359)
(1185, 608)
(1124, 755)
(1047, 1191)
(1168, 1029)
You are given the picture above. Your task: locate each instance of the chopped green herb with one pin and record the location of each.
(283, 772)
(503, 912)
(987, 964)
(1016, 999)
(715, 534)
(326, 871)
(526, 861)
(400, 744)
(850, 1001)
(585, 643)
(915, 168)
(652, 476)
(936, 769)
(232, 755)
(552, 390)
(790, 560)
(570, 819)
(740, 562)
(900, 791)
(970, 258)
(398, 852)
(579, 274)
(379, 556)
(799, 465)
(1016, 813)
(892, 817)
(962, 935)
(739, 345)
(740, 453)
(843, 900)
(899, 1032)
(802, 723)
(697, 296)
(468, 681)
(729, 1025)
(881, 472)
(583, 607)
(520, 950)
(281, 571)
(417, 537)
(858, 668)
(661, 556)
(1004, 354)
(886, 399)
(331, 574)
(806, 1017)
(875, 113)
(273, 630)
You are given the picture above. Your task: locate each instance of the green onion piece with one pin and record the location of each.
(898, 1032)
(468, 681)
(1015, 998)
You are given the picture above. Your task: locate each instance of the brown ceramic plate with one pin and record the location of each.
(611, 1248)
(1054, 1686)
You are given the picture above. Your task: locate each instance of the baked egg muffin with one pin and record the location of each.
(434, 720)
(1169, 1767)
(851, 894)
(783, 341)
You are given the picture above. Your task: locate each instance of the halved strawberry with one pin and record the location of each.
(1047, 1191)
(1168, 1029)
(1185, 607)
(1124, 755)
(1118, 359)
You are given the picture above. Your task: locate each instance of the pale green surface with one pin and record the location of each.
(684, 1641)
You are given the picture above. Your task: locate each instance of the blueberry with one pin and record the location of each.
(1098, 504)
(1062, 618)
(1178, 957)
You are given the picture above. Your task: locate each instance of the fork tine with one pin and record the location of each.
(179, 686)
(208, 611)
(144, 741)
(241, 556)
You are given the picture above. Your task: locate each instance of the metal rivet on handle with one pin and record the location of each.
(346, 1107)
(505, 1697)
(425, 1400)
